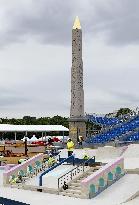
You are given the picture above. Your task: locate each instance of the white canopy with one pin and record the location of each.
(31, 128)
(33, 139)
(26, 138)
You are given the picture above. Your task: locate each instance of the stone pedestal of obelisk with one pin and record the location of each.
(77, 125)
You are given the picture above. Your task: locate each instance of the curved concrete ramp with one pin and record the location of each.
(120, 192)
(132, 202)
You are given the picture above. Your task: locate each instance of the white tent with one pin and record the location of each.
(26, 138)
(33, 139)
(32, 128)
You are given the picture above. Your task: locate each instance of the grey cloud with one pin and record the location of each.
(117, 21)
(126, 97)
(50, 21)
(47, 21)
(10, 98)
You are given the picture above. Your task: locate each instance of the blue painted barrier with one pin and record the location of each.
(53, 167)
(5, 201)
(79, 161)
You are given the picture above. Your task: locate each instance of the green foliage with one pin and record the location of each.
(28, 120)
(123, 111)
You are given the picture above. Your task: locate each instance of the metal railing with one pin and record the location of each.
(74, 173)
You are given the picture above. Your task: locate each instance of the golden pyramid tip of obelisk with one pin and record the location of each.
(77, 23)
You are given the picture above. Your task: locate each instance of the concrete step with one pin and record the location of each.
(73, 191)
(89, 173)
(75, 184)
(83, 177)
(75, 187)
(72, 195)
(79, 180)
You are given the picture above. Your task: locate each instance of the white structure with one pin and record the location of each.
(32, 128)
(25, 138)
(33, 139)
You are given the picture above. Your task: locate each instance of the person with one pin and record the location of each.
(65, 186)
(15, 180)
(70, 147)
(20, 161)
(50, 141)
(19, 179)
(51, 161)
(86, 157)
(80, 141)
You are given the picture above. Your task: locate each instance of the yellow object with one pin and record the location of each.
(13, 181)
(51, 161)
(77, 23)
(22, 160)
(86, 157)
(70, 146)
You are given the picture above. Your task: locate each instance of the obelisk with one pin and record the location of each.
(77, 125)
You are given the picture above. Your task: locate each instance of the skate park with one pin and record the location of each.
(110, 172)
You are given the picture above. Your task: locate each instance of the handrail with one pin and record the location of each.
(82, 164)
(53, 167)
(67, 173)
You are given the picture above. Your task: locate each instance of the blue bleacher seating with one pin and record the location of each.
(116, 132)
(103, 120)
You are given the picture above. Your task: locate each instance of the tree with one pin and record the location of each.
(123, 111)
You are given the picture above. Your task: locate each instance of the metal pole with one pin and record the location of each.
(15, 136)
(26, 149)
(45, 136)
(63, 139)
(77, 135)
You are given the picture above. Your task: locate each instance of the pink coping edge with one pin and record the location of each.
(8, 172)
(101, 171)
(8, 166)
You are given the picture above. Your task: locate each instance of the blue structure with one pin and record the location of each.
(103, 120)
(77, 161)
(117, 131)
(132, 137)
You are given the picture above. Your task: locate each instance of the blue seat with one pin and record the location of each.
(116, 132)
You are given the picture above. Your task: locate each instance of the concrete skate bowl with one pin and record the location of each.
(101, 153)
(108, 152)
(132, 151)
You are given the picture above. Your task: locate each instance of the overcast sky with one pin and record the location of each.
(35, 55)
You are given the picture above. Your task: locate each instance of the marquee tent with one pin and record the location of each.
(32, 128)
(24, 139)
(33, 139)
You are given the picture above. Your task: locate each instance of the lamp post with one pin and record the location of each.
(26, 149)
